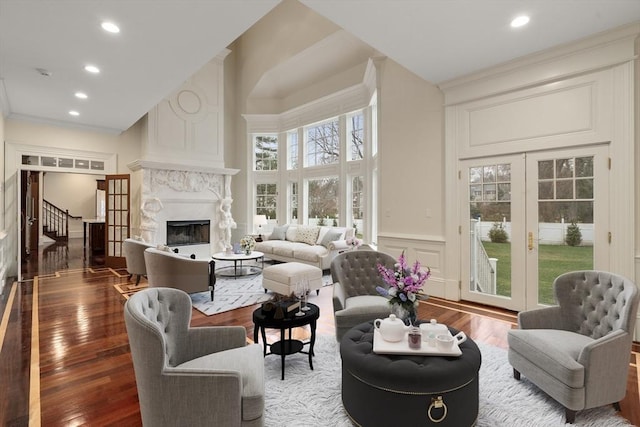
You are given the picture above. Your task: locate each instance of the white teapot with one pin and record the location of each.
(391, 329)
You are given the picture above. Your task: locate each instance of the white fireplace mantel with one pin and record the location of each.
(136, 165)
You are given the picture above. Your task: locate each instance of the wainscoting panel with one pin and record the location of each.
(428, 250)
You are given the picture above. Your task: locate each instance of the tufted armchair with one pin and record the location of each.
(578, 351)
(355, 299)
(202, 376)
(134, 256)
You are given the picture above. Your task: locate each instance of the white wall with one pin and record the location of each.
(411, 197)
(72, 191)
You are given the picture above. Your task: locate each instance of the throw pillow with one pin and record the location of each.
(325, 229)
(330, 236)
(307, 234)
(279, 233)
(291, 233)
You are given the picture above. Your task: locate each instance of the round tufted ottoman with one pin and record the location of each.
(384, 390)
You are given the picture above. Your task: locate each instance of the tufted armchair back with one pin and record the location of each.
(158, 319)
(594, 303)
(357, 271)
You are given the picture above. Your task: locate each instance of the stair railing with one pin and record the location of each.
(55, 221)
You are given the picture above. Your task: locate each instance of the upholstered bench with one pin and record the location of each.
(283, 278)
(385, 390)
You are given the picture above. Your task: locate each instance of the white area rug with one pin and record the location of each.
(233, 293)
(312, 398)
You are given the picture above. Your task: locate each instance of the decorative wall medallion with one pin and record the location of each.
(189, 101)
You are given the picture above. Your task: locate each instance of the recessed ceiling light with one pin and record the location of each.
(520, 21)
(81, 95)
(110, 27)
(92, 69)
(74, 113)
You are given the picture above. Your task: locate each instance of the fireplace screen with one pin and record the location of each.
(180, 233)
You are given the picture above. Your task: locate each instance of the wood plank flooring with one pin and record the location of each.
(65, 356)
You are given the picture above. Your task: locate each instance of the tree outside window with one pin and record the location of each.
(292, 150)
(266, 200)
(323, 198)
(293, 201)
(265, 149)
(323, 144)
(355, 129)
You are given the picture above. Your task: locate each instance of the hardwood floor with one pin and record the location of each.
(65, 356)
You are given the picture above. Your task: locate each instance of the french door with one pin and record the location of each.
(529, 218)
(117, 197)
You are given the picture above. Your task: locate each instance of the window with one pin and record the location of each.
(355, 132)
(292, 150)
(323, 144)
(266, 200)
(293, 201)
(265, 149)
(357, 203)
(323, 197)
(327, 172)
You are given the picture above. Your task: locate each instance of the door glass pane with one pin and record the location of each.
(490, 217)
(565, 220)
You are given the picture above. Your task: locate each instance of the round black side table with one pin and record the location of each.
(262, 320)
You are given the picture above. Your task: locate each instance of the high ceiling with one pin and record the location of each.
(162, 43)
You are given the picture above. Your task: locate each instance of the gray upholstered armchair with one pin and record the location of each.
(204, 376)
(578, 351)
(355, 299)
(134, 256)
(168, 269)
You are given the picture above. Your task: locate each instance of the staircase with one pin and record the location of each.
(55, 222)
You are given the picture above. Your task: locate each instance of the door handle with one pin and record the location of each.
(530, 240)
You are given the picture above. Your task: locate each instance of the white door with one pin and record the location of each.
(529, 218)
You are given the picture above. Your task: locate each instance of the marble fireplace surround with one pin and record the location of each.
(174, 192)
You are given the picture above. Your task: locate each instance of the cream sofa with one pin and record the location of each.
(312, 245)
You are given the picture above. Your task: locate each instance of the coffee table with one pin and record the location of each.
(239, 270)
(262, 320)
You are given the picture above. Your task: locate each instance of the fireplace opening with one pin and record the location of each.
(182, 233)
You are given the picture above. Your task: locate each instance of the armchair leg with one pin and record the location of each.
(571, 415)
(129, 278)
(317, 291)
(516, 374)
(138, 279)
(616, 406)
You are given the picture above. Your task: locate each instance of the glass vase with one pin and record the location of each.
(407, 313)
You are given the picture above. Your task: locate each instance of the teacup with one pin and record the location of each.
(444, 342)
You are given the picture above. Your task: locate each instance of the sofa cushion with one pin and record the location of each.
(279, 233)
(304, 252)
(330, 236)
(291, 233)
(324, 230)
(307, 234)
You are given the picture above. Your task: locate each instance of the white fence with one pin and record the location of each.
(549, 233)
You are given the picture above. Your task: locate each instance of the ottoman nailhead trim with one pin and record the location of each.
(413, 393)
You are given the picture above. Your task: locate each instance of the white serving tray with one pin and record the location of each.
(380, 346)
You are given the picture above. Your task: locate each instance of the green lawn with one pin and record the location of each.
(553, 260)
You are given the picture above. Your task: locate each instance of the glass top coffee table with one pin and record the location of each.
(238, 269)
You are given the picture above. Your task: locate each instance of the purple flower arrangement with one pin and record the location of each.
(405, 283)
